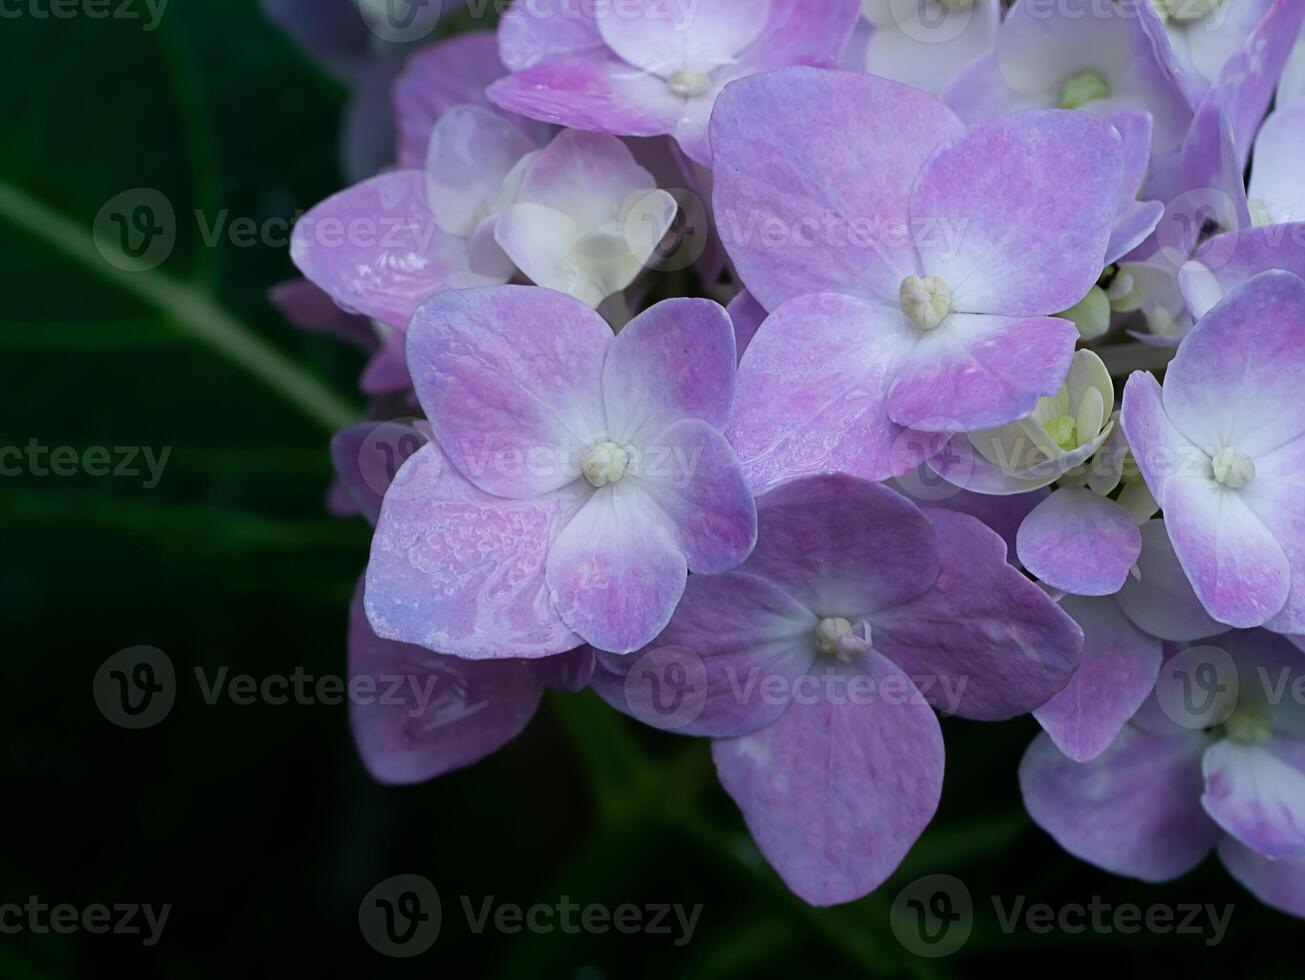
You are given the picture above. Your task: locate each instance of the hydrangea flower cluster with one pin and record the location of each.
(833, 367)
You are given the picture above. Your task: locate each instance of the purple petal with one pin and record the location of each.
(991, 641)
(813, 178)
(616, 570)
(376, 248)
(540, 30)
(417, 714)
(1237, 569)
(1275, 185)
(1003, 514)
(458, 571)
(1236, 379)
(1160, 600)
(310, 308)
(810, 32)
(366, 458)
(1079, 542)
(664, 38)
(1277, 883)
(747, 315)
(811, 391)
(1133, 810)
(593, 92)
(1257, 793)
(1029, 201)
(927, 46)
(1119, 669)
(745, 639)
(436, 78)
(692, 474)
(674, 360)
(843, 546)
(511, 378)
(469, 155)
(1226, 261)
(1246, 82)
(835, 794)
(978, 372)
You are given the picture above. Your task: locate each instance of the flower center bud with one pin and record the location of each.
(1232, 469)
(1081, 88)
(1185, 10)
(604, 463)
(687, 83)
(1063, 430)
(926, 302)
(1249, 723)
(837, 637)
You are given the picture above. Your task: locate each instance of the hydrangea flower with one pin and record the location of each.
(575, 478)
(1077, 54)
(910, 287)
(1188, 776)
(1222, 447)
(580, 215)
(852, 588)
(647, 68)
(924, 43)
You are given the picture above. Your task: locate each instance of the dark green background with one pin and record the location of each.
(258, 824)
